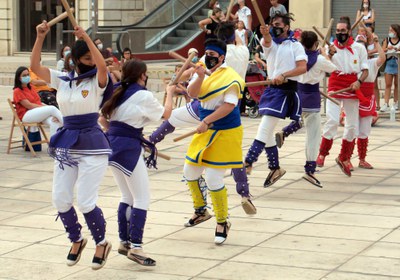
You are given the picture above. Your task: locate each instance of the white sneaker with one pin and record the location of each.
(385, 108)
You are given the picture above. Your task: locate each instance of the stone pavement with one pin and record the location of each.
(347, 230)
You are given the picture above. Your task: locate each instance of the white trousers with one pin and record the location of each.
(365, 127)
(312, 122)
(45, 114)
(266, 130)
(135, 189)
(86, 177)
(180, 117)
(351, 127)
(214, 176)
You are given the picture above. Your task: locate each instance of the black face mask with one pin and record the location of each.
(83, 68)
(342, 37)
(145, 81)
(211, 61)
(276, 31)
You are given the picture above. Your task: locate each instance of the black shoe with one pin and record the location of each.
(97, 262)
(73, 259)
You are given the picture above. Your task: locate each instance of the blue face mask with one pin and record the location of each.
(71, 63)
(195, 59)
(66, 53)
(25, 79)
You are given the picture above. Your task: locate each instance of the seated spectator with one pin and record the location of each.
(259, 57)
(28, 105)
(63, 53)
(46, 93)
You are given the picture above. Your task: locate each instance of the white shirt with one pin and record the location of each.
(282, 58)
(242, 35)
(230, 96)
(80, 99)
(372, 70)
(139, 110)
(60, 65)
(243, 13)
(349, 63)
(317, 72)
(237, 57)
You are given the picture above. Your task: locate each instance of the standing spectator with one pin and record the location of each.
(212, 5)
(390, 46)
(126, 55)
(275, 8)
(241, 33)
(367, 13)
(209, 25)
(63, 53)
(244, 14)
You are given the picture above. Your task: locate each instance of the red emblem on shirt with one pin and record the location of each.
(85, 93)
(355, 61)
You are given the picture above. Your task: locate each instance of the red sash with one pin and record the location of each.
(337, 82)
(368, 106)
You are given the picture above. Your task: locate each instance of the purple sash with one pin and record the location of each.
(126, 143)
(310, 97)
(80, 135)
(312, 58)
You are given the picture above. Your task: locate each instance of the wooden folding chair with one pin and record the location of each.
(24, 127)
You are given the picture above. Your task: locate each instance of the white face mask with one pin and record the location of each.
(100, 46)
(365, 6)
(392, 35)
(217, 6)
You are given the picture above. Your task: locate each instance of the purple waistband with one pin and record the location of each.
(307, 87)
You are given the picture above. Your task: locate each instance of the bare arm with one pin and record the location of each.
(221, 112)
(104, 123)
(168, 102)
(96, 56)
(382, 55)
(259, 61)
(250, 22)
(372, 19)
(41, 32)
(203, 23)
(38, 83)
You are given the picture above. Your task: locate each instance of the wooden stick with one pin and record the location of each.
(185, 65)
(181, 58)
(59, 18)
(321, 35)
(188, 134)
(328, 32)
(161, 155)
(357, 22)
(258, 12)
(260, 83)
(330, 98)
(70, 14)
(228, 12)
(340, 91)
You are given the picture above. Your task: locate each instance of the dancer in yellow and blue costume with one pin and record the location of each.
(218, 142)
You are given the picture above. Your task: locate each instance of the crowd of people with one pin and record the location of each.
(102, 106)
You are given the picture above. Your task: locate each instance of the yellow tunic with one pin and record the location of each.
(218, 148)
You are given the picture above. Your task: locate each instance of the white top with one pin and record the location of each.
(282, 58)
(242, 35)
(389, 43)
(243, 13)
(372, 70)
(317, 72)
(280, 8)
(84, 98)
(237, 57)
(230, 96)
(139, 110)
(368, 16)
(348, 63)
(60, 65)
